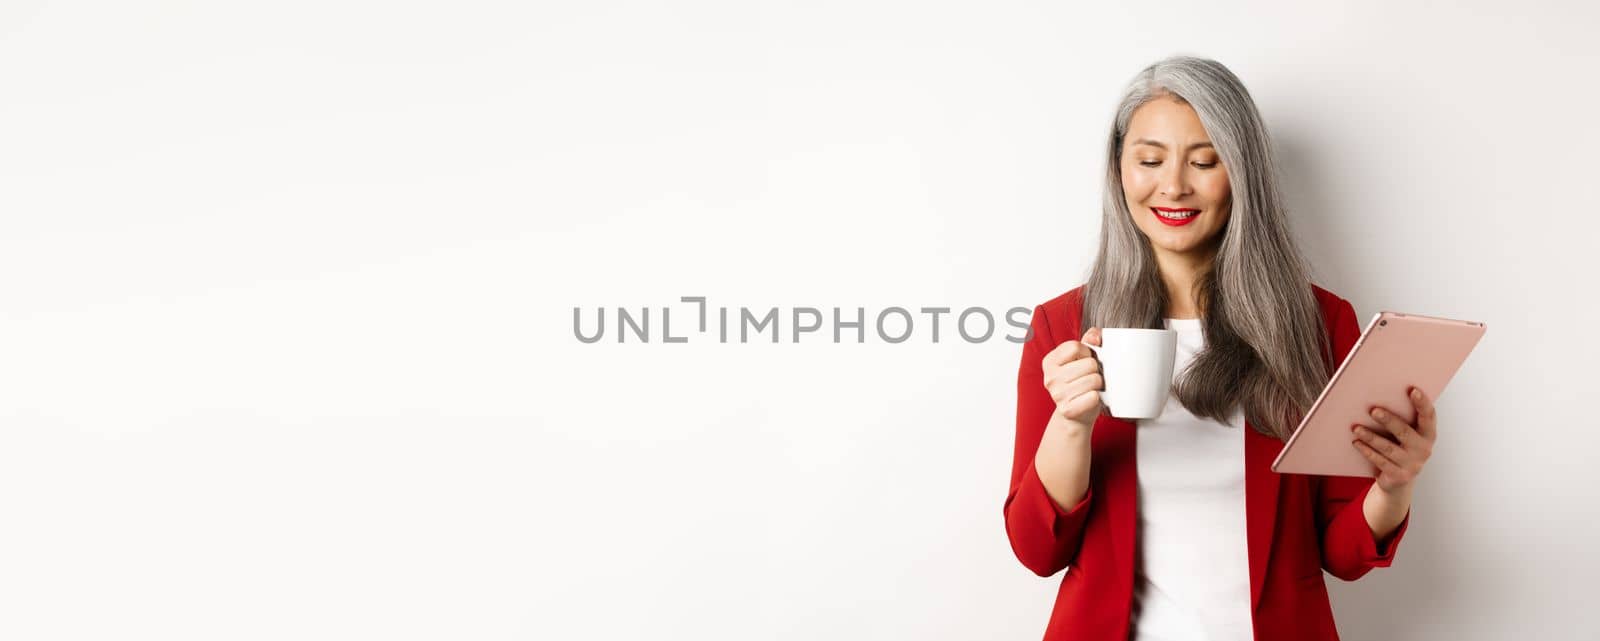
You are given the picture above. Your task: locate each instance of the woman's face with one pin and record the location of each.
(1168, 164)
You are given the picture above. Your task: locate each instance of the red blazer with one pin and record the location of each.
(1298, 525)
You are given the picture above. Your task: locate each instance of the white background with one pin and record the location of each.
(287, 351)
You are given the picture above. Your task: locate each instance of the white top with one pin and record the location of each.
(1192, 574)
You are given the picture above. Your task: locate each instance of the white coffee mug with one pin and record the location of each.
(1136, 365)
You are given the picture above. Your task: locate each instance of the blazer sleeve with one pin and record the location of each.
(1044, 535)
(1348, 548)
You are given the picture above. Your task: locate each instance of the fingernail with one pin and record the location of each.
(1377, 413)
(1416, 394)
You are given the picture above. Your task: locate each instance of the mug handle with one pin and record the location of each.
(1093, 348)
(1105, 403)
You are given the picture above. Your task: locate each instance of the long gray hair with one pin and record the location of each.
(1265, 342)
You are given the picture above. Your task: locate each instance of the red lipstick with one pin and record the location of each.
(1179, 211)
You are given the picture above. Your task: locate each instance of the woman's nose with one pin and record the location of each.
(1173, 183)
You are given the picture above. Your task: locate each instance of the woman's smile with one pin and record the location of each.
(1175, 217)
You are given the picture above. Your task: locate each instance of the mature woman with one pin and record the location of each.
(1196, 537)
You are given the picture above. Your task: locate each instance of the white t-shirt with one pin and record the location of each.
(1192, 573)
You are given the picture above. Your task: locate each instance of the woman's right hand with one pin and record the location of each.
(1072, 374)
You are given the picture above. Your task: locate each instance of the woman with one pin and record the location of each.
(1196, 537)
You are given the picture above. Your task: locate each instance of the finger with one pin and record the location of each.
(1081, 404)
(1402, 431)
(1384, 446)
(1063, 387)
(1427, 419)
(1073, 370)
(1377, 459)
(1065, 353)
(1074, 387)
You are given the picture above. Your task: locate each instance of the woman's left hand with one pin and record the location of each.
(1399, 459)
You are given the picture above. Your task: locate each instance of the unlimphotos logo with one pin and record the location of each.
(890, 324)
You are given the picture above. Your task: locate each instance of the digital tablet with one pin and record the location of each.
(1395, 353)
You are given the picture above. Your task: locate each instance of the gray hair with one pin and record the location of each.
(1266, 347)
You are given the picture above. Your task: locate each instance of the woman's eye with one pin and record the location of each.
(1205, 165)
(1150, 163)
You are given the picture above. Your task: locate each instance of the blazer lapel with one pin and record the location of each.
(1261, 505)
(1116, 443)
